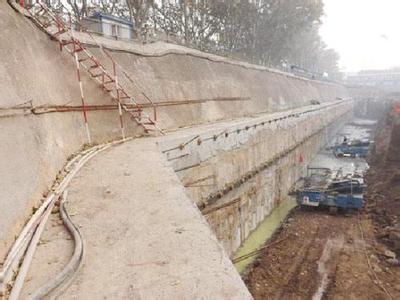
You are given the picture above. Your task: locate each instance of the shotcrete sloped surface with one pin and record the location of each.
(35, 147)
(144, 237)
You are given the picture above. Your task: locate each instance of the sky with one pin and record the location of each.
(366, 33)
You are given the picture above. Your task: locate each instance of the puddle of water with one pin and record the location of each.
(263, 233)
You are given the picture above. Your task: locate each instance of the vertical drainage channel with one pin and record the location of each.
(263, 233)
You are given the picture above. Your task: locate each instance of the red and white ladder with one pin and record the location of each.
(57, 28)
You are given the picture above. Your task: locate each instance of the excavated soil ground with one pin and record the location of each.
(323, 256)
(383, 195)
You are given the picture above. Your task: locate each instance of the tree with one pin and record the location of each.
(280, 22)
(236, 31)
(139, 11)
(267, 32)
(191, 20)
(79, 8)
(328, 62)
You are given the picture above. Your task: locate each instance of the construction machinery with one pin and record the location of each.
(315, 198)
(355, 148)
(325, 188)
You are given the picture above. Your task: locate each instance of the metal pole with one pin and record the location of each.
(78, 72)
(121, 121)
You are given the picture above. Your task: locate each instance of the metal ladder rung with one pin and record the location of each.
(46, 25)
(60, 32)
(96, 75)
(66, 43)
(83, 59)
(125, 93)
(39, 11)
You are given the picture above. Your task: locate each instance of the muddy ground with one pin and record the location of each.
(316, 255)
(324, 255)
(383, 197)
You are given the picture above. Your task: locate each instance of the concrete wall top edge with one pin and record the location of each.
(175, 138)
(159, 49)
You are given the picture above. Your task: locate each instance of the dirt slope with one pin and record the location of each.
(384, 183)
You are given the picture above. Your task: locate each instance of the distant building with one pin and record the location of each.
(109, 25)
(385, 79)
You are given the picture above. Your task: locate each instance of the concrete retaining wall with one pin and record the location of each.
(33, 70)
(250, 166)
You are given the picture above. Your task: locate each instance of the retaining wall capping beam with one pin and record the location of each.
(226, 133)
(179, 167)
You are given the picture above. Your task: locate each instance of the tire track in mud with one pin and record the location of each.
(291, 270)
(327, 265)
(293, 279)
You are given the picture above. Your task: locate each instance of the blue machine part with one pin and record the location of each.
(319, 198)
(351, 150)
(349, 201)
(309, 198)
